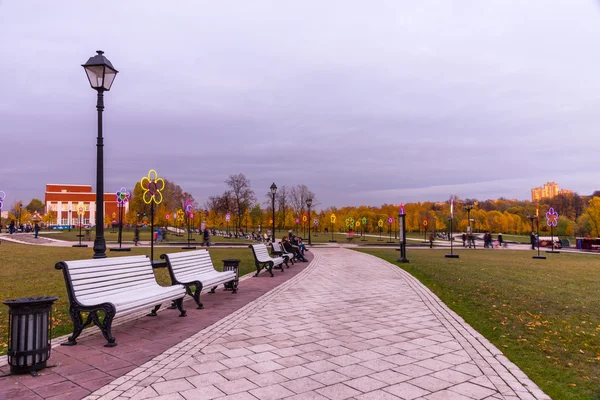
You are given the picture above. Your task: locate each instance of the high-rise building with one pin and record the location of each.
(548, 191)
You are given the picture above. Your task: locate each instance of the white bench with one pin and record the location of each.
(195, 268)
(262, 259)
(115, 286)
(279, 251)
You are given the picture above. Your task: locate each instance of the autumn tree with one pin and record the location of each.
(593, 213)
(242, 195)
(35, 205)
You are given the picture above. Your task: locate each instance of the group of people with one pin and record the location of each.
(27, 228)
(488, 240)
(293, 244)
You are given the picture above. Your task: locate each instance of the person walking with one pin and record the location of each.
(500, 240)
(431, 240)
(532, 239)
(206, 237)
(136, 235)
(36, 230)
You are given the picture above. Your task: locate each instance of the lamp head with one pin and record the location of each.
(100, 72)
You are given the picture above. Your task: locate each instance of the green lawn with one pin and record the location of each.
(543, 314)
(28, 271)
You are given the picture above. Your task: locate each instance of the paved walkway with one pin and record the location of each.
(79, 370)
(350, 326)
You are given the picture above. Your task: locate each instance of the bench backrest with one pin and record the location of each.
(98, 278)
(277, 247)
(261, 253)
(195, 262)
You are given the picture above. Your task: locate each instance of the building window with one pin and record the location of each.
(64, 221)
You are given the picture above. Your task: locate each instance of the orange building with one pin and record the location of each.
(64, 200)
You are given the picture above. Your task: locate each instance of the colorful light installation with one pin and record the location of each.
(552, 217)
(152, 186)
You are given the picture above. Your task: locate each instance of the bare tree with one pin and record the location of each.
(242, 195)
(282, 199)
(298, 196)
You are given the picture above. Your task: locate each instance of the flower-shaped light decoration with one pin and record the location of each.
(180, 215)
(80, 209)
(297, 221)
(380, 223)
(304, 218)
(333, 218)
(168, 217)
(123, 196)
(552, 217)
(2, 197)
(349, 222)
(357, 224)
(316, 222)
(401, 208)
(364, 220)
(36, 217)
(390, 220)
(152, 186)
(188, 208)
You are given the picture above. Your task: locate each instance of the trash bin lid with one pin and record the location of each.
(30, 300)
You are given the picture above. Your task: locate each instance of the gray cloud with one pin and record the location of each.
(364, 102)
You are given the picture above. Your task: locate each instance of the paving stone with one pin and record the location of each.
(406, 391)
(302, 385)
(365, 384)
(470, 390)
(339, 391)
(204, 393)
(236, 386)
(272, 392)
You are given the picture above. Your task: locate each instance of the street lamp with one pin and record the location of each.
(308, 204)
(101, 75)
(468, 208)
(273, 192)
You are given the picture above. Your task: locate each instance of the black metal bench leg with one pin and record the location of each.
(196, 297)
(153, 312)
(212, 291)
(270, 269)
(234, 285)
(179, 303)
(78, 326)
(106, 326)
(258, 269)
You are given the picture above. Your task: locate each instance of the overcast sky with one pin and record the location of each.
(365, 102)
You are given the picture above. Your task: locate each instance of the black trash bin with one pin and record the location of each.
(29, 333)
(232, 264)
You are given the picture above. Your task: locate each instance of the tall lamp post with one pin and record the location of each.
(101, 75)
(402, 226)
(273, 192)
(451, 255)
(308, 204)
(468, 208)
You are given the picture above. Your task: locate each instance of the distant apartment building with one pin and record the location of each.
(548, 191)
(64, 200)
